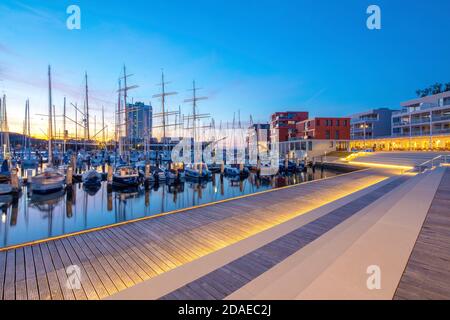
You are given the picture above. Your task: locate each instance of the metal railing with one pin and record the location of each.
(433, 163)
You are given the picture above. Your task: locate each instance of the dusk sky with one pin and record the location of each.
(254, 56)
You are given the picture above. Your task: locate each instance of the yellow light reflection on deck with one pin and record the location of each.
(381, 165)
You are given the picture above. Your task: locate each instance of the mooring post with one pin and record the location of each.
(109, 179)
(147, 177)
(69, 177)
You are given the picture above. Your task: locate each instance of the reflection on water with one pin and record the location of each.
(35, 217)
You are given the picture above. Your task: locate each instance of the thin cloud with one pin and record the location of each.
(315, 96)
(6, 50)
(39, 13)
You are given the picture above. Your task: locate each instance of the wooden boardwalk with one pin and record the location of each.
(427, 275)
(114, 259)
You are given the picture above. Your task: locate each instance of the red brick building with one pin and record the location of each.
(324, 129)
(283, 125)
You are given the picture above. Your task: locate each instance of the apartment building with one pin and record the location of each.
(283, 124)
(324, 129)
(426, 116)
(371, 124)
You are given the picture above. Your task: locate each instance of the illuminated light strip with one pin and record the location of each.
(381, 165)
(36, 242)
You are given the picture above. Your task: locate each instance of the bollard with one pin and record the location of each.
(69, 176)
(200, 169)
(109, 179)
(222, 168)
(147, 177)
(147, 172)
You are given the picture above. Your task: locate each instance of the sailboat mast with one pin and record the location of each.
(29, 128)
(64, 126)
(87, 107)
(194, 110)
(50, 129)
(103, 124)
(125, 96)
(119, 118)
(163, 100)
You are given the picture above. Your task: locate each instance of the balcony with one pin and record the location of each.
(441, 118)
(420, 120)
(400, 124)
(423, 133)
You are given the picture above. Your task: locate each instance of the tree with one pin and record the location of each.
(425, 92)
(436, 88)
(419, 92)
(447, 86)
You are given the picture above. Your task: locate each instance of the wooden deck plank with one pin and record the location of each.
(150, 258)
(41, 274)
(100, 249)
(166, 262)
(93, 270)
(21, 283)
(106, 271)
(120, 257)
(129, 255)
(31, 280)
(427, 274)
(2, 272)
(51, 254)
(9, 290)
(86, 276)
(143, 260)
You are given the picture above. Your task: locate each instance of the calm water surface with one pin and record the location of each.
(34, 217)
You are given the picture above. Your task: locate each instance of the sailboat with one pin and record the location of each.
(28, 161)
(125, 177)
(92, 178)
(50, 180)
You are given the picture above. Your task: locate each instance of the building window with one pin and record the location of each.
(337, 123)
(317, 122)
(345, 123)
(336, 136)
(327, 134)
(310, 146)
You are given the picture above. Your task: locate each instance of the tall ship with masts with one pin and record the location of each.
(51, 180)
